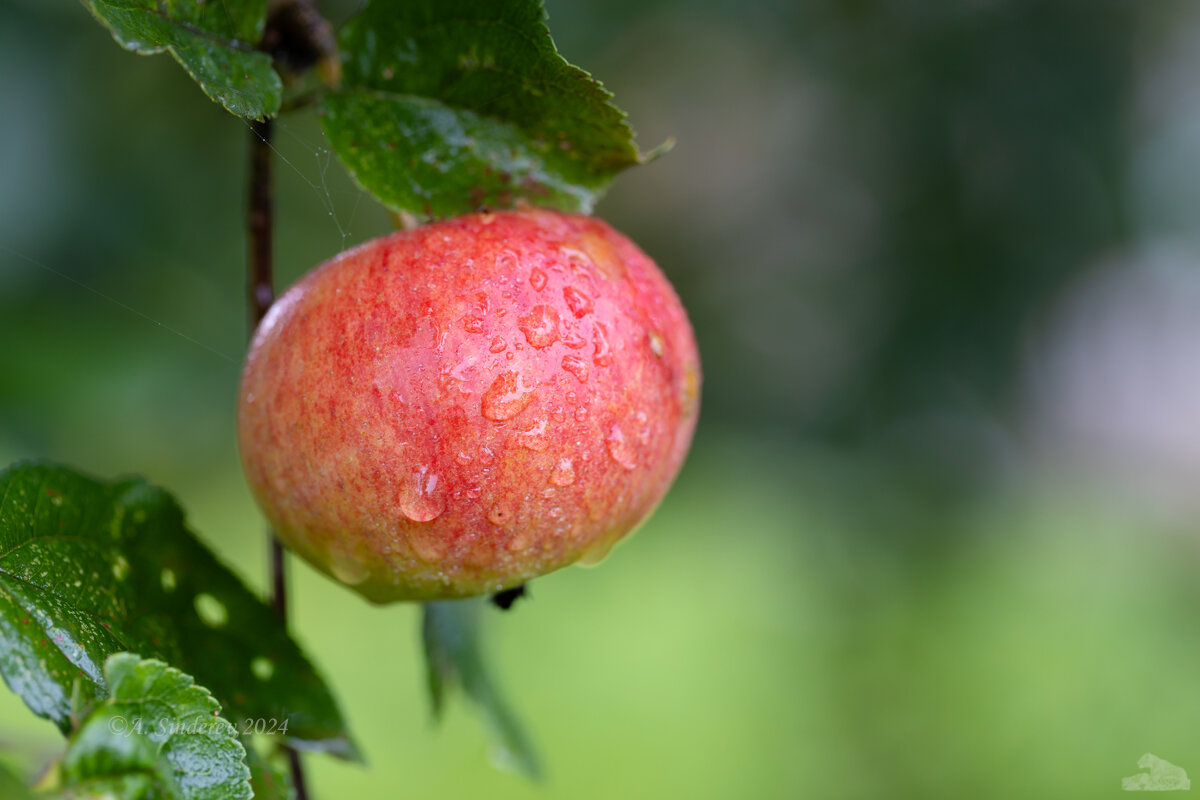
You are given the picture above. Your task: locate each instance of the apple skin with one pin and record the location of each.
(455, 409)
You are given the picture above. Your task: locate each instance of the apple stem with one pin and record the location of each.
(260, 294)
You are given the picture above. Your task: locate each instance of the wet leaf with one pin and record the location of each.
(454, 658)
(91, 568)
(158, 735)
(450, 105)
(214, 41)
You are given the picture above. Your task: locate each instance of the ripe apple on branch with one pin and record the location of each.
(458, 408)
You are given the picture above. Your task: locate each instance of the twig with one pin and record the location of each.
(260, 293)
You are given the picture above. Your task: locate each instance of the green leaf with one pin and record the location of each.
(89, 568)
(158, 735)
(270, 777)
(449, 105)
(214, 41)
(454, 657)
(11, 787)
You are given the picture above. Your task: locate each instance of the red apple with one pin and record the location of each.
(455, 409)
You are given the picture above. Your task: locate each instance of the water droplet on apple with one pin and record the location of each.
(558, 415)
(463, 458)
(427, 546)
(540, 326)
(417, 498)
(508, 396)
(486, 455)
(581, 414)
(576, 366)
(643, 432)
(573, 339)
(537, 279)
(520, 541)
(472, 325)
(656, 345)
(534, 437)
(564, 473)
(620, 450)
(498, 344)
(500, 515)
(579, 302)
(346, 568)
(603, 353)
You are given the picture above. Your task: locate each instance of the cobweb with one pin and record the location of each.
(295, 152)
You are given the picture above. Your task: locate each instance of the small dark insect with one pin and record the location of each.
(504, 600)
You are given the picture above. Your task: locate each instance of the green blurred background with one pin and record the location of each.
(937, 536)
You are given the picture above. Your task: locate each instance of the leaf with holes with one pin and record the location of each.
(213, 41)
(454, 657)
(89, 568)
(158, 735)
(449, 105)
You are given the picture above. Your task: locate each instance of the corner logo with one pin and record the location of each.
(1162, 777)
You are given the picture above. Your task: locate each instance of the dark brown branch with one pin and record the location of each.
(260, 293)
(260, 285)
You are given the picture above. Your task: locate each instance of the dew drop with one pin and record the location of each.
(576, 366)
(417, 499)
(486, 455)
(600, 338)
(620, 449)
(498, 345)
(540, 326)
(572, 398)
(521, 540)
(463, 458)
(656, 345)
(537, 279)
(558, 415)
(472, 325)
(581, 414)
(500, 515)
(573, 339)
(564, 473)
(508, 396)
(427, 546)
(474, 492)
(534, 437)
(579, 302)
(347, 569)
